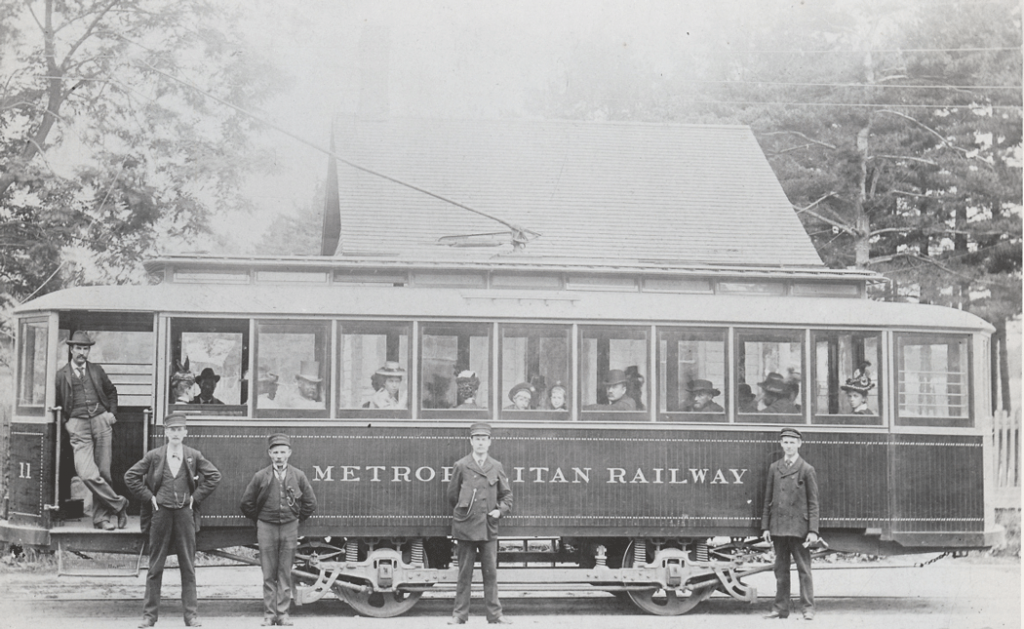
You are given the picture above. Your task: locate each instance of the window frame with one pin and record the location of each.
(425, 328)
(740, 335)
(539, 414)
(354, 326)
(967, 421)
(175, 327)
(597, 415)
(32, 410)
(698, 333)
(846, 419)
(323, 347)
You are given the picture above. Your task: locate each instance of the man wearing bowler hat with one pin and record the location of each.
(480, 495)
(790, 522)
(88, 405)
(702, 392)
(172, 481)
(207, 382)
(278, 498)
(615, 384)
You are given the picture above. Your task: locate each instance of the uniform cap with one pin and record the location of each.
(278, 439)
(791, 432)
(480, 429)
(174, 419)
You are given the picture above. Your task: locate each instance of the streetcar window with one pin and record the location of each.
(297, 354)
(613, 361)
(455, 371)
(691, 375)
(208, 360)
(373, 366)
(933, 380)
(33, 338)
(769, 368)
(535, 371)
(846, 384)
(127, 359)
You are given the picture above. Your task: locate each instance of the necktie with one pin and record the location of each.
(789, 463)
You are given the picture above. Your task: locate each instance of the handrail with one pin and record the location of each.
(56, 410)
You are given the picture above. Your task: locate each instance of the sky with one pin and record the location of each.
(446, 59)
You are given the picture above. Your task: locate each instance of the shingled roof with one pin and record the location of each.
(690, 194)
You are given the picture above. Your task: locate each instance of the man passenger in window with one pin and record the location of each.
(702, 392)
(776, 392)
(468, 384)
(857, 388)
(615, 385)
(88, 403)
(207, 382)
(521, 396)
(389, 393)
(307, 385)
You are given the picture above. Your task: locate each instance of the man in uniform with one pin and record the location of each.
(88, 403)
(790, 522)
(278, 498)
(480, 495)
(172, 481)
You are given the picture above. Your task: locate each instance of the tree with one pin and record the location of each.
(101, 148)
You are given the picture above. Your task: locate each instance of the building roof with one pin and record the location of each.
(680, 194)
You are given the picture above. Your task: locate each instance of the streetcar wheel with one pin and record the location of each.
(661, 602)
(382, 604)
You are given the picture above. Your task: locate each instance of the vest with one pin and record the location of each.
(276, 509)
(86, 403)
(173, 492)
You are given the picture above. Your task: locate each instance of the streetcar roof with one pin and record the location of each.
(691, 194)
(291, 300)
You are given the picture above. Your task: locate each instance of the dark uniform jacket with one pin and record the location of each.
(145, 477)
(791, 500)
(296, 485)
(473, 493)
(105, 389)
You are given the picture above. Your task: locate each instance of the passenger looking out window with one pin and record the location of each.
(702, 392)
(777, 395)
(617, 388)
(606, 385)
(207, 382)
(468, 384)
(558, 397)
(857, 388)
(306, 393)
(521, 396)
(387, 383)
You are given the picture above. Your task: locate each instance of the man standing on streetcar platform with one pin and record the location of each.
(278, 498)
(172, 481)
(790, 522)
(479, 494)
(88, 403)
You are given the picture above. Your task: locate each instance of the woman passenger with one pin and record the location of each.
(388, 381)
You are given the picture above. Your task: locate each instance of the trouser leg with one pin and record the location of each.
(160, 530)
(802, 556)
(463, 591)
(289, 538)
(489, 568)
(782, 558)
(185, 541)
(90, 437)
(267, 535)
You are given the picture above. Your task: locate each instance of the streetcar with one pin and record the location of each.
(659, 502)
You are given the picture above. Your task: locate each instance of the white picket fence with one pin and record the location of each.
(1006, 447)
